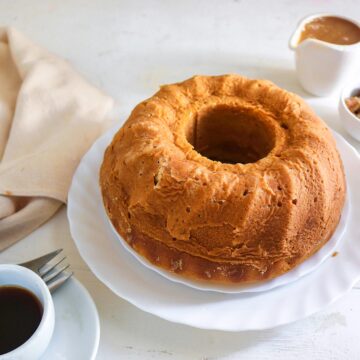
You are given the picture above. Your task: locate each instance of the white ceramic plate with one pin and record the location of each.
(303, 269)
(77, 330)
(151, 292)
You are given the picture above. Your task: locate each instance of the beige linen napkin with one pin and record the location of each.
(49, 117)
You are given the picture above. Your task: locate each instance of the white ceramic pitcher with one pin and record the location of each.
(323, 67)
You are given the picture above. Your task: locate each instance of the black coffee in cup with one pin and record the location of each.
(20, 316)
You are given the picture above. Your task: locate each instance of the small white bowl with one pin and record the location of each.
(36, 345)
(350, 121)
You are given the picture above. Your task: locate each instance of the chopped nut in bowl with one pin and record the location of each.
(349, 109)
(353, 104)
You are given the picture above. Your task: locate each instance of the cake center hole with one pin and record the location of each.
(230, 135)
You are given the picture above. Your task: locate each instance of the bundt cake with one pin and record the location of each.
(225, 179)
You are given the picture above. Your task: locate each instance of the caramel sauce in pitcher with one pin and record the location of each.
(331, 29)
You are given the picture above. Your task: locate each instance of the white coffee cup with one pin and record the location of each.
(36, 345)
(323, 68)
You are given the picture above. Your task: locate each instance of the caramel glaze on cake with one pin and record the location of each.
(224, 179)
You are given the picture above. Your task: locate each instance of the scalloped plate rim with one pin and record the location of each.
(205, 319)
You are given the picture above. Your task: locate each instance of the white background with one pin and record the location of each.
(129, 48)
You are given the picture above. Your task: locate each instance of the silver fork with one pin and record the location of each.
(54, 273)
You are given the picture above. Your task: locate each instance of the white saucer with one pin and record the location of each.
(77, 330)
(151, 292)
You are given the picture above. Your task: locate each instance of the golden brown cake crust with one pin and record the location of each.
(225, 222)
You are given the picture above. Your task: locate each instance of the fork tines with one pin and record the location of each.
(51, 269)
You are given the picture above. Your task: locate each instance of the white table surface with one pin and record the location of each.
(129, 48)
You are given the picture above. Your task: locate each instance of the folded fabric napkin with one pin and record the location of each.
(49, 117)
